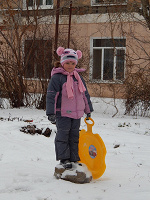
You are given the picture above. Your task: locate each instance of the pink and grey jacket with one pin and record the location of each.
(67, 94)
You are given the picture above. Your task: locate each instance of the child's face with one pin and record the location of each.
(69, 66)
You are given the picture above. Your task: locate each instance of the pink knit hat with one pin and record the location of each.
(68, 55)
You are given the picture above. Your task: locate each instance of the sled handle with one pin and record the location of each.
(89, 126)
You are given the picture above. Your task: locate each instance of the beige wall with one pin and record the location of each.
(107, 90)
(11, 3)
(74, 3)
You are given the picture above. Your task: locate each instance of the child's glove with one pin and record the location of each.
(88, 115)
(52, 119)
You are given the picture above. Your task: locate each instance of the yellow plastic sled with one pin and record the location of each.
(92, 151)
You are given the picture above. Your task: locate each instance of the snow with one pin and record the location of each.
(27, 162)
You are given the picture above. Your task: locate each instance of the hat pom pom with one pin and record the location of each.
(79, 53)
(60, 51)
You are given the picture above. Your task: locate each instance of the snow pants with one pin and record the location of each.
(67, 138)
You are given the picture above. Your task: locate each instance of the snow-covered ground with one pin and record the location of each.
(27, 162)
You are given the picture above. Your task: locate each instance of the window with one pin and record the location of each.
(108, 59)
(40, 4)
(110, 2)
(38, 58)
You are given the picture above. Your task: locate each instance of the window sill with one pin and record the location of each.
(106, 81)
(36, 79)
(39, 8)
(108, 4)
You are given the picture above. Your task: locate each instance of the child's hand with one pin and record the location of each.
(88, 115)
(52, 119)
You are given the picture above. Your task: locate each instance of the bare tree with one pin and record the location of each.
(132, 24)
(137, 79)
(22, 43)
(22, 62)
(26, 52)
(144, 11)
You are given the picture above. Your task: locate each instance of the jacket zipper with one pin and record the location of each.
(75, 100)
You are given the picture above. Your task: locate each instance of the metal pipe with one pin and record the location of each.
(56, 27)
(70, 13)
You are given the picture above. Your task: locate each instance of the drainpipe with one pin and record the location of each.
(56, 28)
(69, 23)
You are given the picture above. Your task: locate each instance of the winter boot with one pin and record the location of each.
(77, 163)
(66, 164)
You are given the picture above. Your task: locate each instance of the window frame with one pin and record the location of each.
(102, 62)
(93, 3)
(36, 78)
(34, 7)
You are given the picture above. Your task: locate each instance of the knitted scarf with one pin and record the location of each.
(69, 83)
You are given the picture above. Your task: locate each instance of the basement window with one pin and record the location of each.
(37, 4)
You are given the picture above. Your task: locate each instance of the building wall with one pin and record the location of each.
(85, 26)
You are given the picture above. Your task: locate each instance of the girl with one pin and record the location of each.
(66, 102)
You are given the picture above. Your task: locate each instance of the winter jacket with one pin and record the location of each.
(57, 101)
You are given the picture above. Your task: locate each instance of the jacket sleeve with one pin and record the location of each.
(53, 90)
(86, 96)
